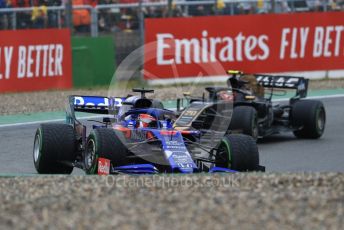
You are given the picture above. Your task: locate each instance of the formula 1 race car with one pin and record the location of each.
(255, 113)
(137, 136)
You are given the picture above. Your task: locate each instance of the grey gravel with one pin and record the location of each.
(241, 201)
(45, 101)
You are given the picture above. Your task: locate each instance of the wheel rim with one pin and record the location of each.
(222, 154)
(36, 148)
(321, 120)
(90, 153)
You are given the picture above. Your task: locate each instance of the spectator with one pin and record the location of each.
(53, 14)
(81, 17)
(176, 11)
(5, 18)
(104, 16)
(128, 16)
(336, 5)
(199, 10)
(2, 15)
(220, 6)
(152, 12)
(282, 7)
(315, 5)
(246, 8)
(109, 18)
(340, 4)
(129, 20)
(23, 18)
(39, 16)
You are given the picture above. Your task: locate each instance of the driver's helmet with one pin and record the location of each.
(145, 120)
(225, 95)
(252, 84)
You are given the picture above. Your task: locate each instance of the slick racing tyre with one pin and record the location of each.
(245, 119)
(54, 146)
(104, 143)
(310, 117)
(238, 152)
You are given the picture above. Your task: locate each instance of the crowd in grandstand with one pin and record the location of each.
(36, 13)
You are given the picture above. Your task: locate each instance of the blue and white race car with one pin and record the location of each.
(139, 136)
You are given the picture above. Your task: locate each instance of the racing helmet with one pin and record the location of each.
(225, 95)
(253, 85)
(145, 120)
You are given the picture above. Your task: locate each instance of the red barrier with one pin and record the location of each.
(253, 43)
(35, 60)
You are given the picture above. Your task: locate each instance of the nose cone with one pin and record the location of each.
(181, 161)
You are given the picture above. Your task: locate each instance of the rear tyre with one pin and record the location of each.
(54, 144)
(245, 118)
(104, 143)
(310, 117)
(238, 152)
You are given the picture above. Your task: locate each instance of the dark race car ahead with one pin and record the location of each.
(255, 113)
(138, 137)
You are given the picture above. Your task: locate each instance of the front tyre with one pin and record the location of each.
(104, 143)
(54, 145)
(238, 152)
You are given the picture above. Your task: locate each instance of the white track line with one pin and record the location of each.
(45, 121)
(315, 97)
(91, 117)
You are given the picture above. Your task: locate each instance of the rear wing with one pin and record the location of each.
(300, 84)
(91, 104)
(95, 104)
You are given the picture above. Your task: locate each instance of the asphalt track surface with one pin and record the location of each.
(279, 153)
